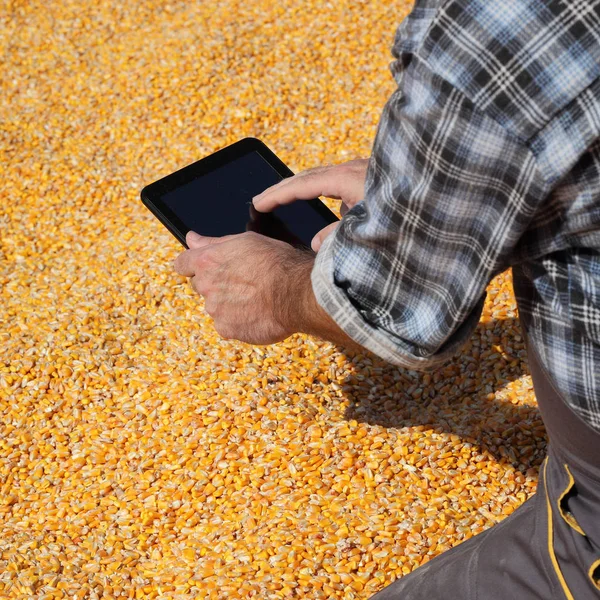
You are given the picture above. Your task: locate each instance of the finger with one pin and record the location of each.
(184, 263)
(253, 225)
(199, 285)
(287, 180)
(187, 262)
(195, 241)
(323, 182)
(317, 241)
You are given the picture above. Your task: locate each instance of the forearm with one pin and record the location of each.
(300, 309)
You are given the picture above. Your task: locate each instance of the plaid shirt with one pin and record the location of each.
(486, 156)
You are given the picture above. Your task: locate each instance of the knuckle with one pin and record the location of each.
(204, 257)
(197, 285)
(195, 262)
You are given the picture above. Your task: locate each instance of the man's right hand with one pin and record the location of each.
(345, 182)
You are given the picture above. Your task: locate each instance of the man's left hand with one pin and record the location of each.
(247, 282)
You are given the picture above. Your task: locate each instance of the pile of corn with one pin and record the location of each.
(140, 454)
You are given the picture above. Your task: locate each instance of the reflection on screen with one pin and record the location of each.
(220, 203)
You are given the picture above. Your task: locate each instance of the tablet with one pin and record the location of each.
(213, 197)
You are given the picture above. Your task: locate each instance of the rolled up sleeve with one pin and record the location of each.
(449, 193)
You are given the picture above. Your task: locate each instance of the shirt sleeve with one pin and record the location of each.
(449, 193)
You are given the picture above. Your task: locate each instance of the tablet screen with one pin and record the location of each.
(220, 203)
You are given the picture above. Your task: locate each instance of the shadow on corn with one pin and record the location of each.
(484, 395)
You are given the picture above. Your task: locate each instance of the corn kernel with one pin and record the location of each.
(141, 455)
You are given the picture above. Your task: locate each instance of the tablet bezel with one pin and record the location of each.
(151, 194)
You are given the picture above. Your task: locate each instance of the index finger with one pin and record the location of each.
(183, 264)
(299, 187)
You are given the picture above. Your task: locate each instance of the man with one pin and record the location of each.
(486, 156)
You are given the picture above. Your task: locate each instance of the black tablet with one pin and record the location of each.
(213, 197)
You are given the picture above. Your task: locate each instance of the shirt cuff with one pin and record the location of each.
(350, 319)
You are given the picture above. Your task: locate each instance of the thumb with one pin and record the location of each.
(320, 237)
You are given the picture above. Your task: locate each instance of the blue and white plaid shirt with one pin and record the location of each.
(486, 156)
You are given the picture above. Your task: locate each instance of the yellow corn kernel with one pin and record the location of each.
(143, 456)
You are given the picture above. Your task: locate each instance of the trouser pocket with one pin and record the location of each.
(573, 502)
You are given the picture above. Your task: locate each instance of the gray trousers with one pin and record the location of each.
(549, 548)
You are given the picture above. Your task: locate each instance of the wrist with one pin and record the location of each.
(293, 291)
(299, 310)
